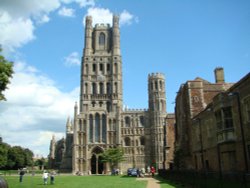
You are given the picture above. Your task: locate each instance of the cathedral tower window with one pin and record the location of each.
(91, 128)
(152, 86)
(108, 88)
(101, 88)
(116, 87)
(141, 120)
(101, 67)
(108, 67)
(156, 85)
(102, 39)
(127, 121)
(142, 140)
(94, 67)
(94, 88)
(97, 127)
(115, 68)
(160, 85)
(86, 69)
(127, 141)
(86, 89)
(104, 128)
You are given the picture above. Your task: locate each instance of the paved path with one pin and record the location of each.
(152, 183)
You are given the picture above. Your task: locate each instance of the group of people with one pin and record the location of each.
(45, 176)
(142, 172)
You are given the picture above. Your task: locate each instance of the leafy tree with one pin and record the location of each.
(113, 156)
(16, 157)
(28, 157)
(3, 154)
(6, 71)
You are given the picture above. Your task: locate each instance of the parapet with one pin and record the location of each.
(102, 26)
(156, 76)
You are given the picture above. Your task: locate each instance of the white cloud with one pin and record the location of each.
(25, 15)
(127, 18)
(34, 110)
(102, 15)
(67, 12)
(10, 38)
(72, 59)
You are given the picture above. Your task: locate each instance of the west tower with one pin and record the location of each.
(100, 97)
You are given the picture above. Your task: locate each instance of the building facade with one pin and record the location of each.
(218, 133)
(100, 121)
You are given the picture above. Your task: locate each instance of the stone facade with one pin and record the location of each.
(219, 132)
(101, 122)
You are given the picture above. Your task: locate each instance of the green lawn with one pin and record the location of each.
(81, 182)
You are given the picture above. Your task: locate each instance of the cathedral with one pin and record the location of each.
(100, 121)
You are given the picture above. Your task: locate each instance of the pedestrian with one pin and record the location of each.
(21, 174)
(52, 177)
(138, 172)
(143, 171)
(148, 170)
(45, 177)
(152, 171)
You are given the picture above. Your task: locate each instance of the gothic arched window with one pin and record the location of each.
(104, 127)
(91, 128)
(101, 88)
(127, 141)
(97, 128)
(93, 88)
(142, 140)
(127, 121)
(102, 39)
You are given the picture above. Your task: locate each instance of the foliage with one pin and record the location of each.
(3, 154)
(113, 156)
(6, 71)
(14, 157)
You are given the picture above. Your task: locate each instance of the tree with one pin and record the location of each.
(113, 156)
(6, 71)
(3, 154)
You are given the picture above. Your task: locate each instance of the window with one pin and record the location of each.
(108, 67)
(97, 128)
(127, 141)
(101, 67)
(101, 88)
(94, 67)
(91, 128)
(142, 120)
(228, 120)
(142, 140)
(156, 85)
(94, 88)
(108, 88)
(224, 118)
(104, 127)
(108, 107)
(218, 119)
(247, 108)
(127, 121)
(86, 88)
(102, 39)
(116, 88)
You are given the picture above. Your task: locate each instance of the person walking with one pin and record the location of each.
(52, 177)
(45, 177)
(21, 174)
(152, 171)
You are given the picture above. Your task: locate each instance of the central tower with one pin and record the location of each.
(100, 97)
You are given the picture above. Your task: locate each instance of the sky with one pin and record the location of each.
(183, 39)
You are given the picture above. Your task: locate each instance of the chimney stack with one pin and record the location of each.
(219, 75)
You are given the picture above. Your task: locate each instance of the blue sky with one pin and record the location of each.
(183, 39)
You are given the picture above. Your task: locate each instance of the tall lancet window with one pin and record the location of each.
(104, 127)
(90, 128)
(97, 128)
(102, 39)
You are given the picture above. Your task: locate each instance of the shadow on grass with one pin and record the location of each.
(165, 183)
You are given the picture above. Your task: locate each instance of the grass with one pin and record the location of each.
(68, 181)
(77, 181)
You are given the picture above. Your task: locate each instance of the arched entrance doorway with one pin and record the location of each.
(97, 166)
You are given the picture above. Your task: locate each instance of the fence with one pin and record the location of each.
(208, 179)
